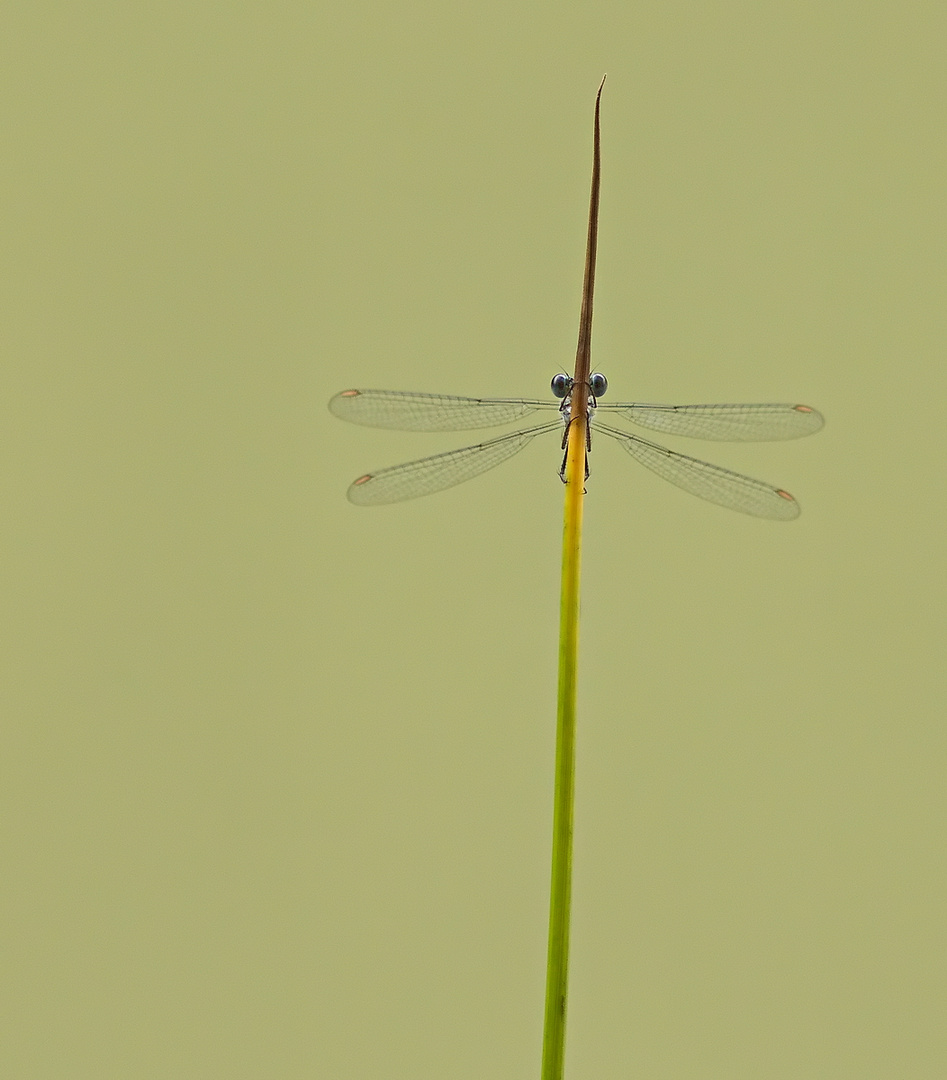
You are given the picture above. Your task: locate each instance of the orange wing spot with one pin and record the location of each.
(779, 491)
(364, 480)
(798, 408)
(354, 393)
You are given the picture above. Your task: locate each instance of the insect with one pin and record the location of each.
(405, 411)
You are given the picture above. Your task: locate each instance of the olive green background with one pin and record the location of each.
(276, 771)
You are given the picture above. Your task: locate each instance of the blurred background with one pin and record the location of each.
(277, 771)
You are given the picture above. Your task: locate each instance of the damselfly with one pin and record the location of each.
(442, 412)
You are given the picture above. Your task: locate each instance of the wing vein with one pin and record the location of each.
(711, 482)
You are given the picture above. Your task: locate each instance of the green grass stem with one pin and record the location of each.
(557, 969)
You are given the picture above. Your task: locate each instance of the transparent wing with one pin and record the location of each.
(733, 423)
(440, 471)
(404, 411)
(711, 482)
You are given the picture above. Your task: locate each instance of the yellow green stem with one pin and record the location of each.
(557, 961)
(557, 970)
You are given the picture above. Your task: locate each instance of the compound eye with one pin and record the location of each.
(598, 384)
(561, 384)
